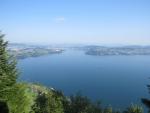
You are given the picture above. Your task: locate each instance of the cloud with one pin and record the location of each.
(59, 19)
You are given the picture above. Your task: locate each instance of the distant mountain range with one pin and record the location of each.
(28, 50)
(123, 50)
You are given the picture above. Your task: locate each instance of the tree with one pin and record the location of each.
(8, 71)
(48, 102)
(134, 109)
(21, 100)
(81, 104)
(8, 74)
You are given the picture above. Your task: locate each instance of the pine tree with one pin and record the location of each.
(8, 71)
(14, 97)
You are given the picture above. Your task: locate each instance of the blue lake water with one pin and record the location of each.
(115, 80)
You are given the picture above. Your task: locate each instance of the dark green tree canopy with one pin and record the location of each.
(8, 71)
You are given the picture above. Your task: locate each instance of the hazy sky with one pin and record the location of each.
(76, 21)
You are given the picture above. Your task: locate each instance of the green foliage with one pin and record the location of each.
(21, 100)
(13, 96)
(8, 71)
(108, 110)
(81, 104)
(134, 109)
(48, 101)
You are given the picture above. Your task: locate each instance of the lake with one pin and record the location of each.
(115, 80)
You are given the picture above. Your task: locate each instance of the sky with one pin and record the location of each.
(76, 21)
